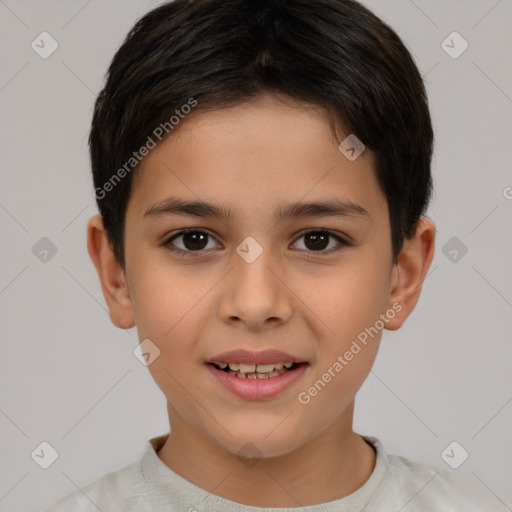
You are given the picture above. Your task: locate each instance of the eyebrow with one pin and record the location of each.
(327, 208)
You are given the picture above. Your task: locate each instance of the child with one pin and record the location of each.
(291, 142)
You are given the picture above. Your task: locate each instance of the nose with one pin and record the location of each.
(255, 294)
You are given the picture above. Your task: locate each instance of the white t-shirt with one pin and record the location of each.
(395, 485)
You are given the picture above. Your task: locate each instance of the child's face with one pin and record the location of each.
(300, 295)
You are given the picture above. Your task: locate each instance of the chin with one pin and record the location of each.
(261, 442)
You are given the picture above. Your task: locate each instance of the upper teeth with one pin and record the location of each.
(251, 368)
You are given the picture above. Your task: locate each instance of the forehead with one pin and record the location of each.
(266, 150)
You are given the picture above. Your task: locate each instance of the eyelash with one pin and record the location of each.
(187, 253)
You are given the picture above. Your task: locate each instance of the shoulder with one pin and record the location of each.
(122, 490)
(419, 487)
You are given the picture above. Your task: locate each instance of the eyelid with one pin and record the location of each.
(342, 243)
(334, 234)
(181, 252)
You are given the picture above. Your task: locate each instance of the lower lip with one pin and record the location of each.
(258, 389)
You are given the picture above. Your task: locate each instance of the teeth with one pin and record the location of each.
(252, 368)
(252, 371)
(268, 375)
(246, 368)
(264, 368)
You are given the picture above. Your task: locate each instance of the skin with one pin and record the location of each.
(311, 303)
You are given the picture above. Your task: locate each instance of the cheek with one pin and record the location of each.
(344, 305)
(330, 392)
(163, 298)
(345, 299)
(169, 309)
(172, 326)
(350, 306)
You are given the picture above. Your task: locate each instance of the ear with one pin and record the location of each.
(410, 271)
(112, 277)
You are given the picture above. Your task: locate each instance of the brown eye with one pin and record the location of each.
(318, 240)
(193, 240)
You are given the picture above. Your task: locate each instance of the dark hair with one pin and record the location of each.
(212, 54)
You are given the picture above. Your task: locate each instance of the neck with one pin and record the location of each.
(330, 466)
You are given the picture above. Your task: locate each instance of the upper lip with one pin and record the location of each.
(267, 356)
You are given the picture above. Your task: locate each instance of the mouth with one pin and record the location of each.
(257, 371)
(257, 382)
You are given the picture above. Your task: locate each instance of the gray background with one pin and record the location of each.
(69, 377)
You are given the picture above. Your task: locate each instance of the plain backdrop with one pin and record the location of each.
(68, 377)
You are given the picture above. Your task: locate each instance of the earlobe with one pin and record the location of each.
(111, 275)
(410, 271)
